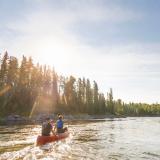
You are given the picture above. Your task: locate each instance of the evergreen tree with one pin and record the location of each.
(110, 103)
(80, 94)
(4, 69)
(119, 107)
(84, 91)
(89, 98)
(22, 88)
(12, 76)
(55, 87)
(47, 81)
(95, 97)
(23, 74)
(29, 68)
(69, 91)
(102, 105)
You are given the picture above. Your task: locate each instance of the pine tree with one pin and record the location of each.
(29, 68)
(23, 73)
(110, 103)
(89, 98)
(79, 94)
(102, 105)
(55, 87)
(84, 91)
(70, 91)
(12, 76)
(47, 80)
(95, 97)
(4, 70)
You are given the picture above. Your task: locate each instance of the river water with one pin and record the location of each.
(115, 139)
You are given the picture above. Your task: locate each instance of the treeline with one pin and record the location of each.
(136, 109)
(26, 89)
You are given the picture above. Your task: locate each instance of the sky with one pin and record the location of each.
(114, 42)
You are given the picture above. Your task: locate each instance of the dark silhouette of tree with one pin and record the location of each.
(110, 102)
(89, 98)
(4, 69)
(95, 97)
(55, 88)
(12, 75)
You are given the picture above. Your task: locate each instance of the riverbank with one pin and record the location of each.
(38, 119)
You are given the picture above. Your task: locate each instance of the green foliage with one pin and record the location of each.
(110, 103)
(4, 69)
(28, 89)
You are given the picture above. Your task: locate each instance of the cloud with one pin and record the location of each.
(45, 33)
(47, 28)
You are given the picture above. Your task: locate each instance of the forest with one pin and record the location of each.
(27, 88)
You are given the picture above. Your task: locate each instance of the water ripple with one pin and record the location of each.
(118, 139)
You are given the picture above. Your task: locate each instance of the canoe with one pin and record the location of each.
(41, 140)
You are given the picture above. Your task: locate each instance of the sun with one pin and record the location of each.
(54, 55)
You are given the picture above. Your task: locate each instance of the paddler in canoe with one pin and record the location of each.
(59, 125)
(47, 127)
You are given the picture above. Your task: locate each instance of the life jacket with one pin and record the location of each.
(46, 129)
(59, 124)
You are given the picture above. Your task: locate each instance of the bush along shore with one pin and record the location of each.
(28, 89)
(39, 119)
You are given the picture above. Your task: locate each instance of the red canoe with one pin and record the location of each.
(41, 140)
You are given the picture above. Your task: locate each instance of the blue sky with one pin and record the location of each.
(116, 43)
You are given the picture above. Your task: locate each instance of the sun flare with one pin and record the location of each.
(54, 54)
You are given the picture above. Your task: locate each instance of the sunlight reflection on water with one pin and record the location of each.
(119, 139)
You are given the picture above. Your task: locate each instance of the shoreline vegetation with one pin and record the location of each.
(28, 90)
(38, 119)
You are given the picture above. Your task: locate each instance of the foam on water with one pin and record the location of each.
(52, 151)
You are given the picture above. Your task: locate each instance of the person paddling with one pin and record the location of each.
(47, 127)
(59, 125)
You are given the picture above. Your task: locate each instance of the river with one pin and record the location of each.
(115, 139)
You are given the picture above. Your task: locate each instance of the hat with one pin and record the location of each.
(60, 116)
